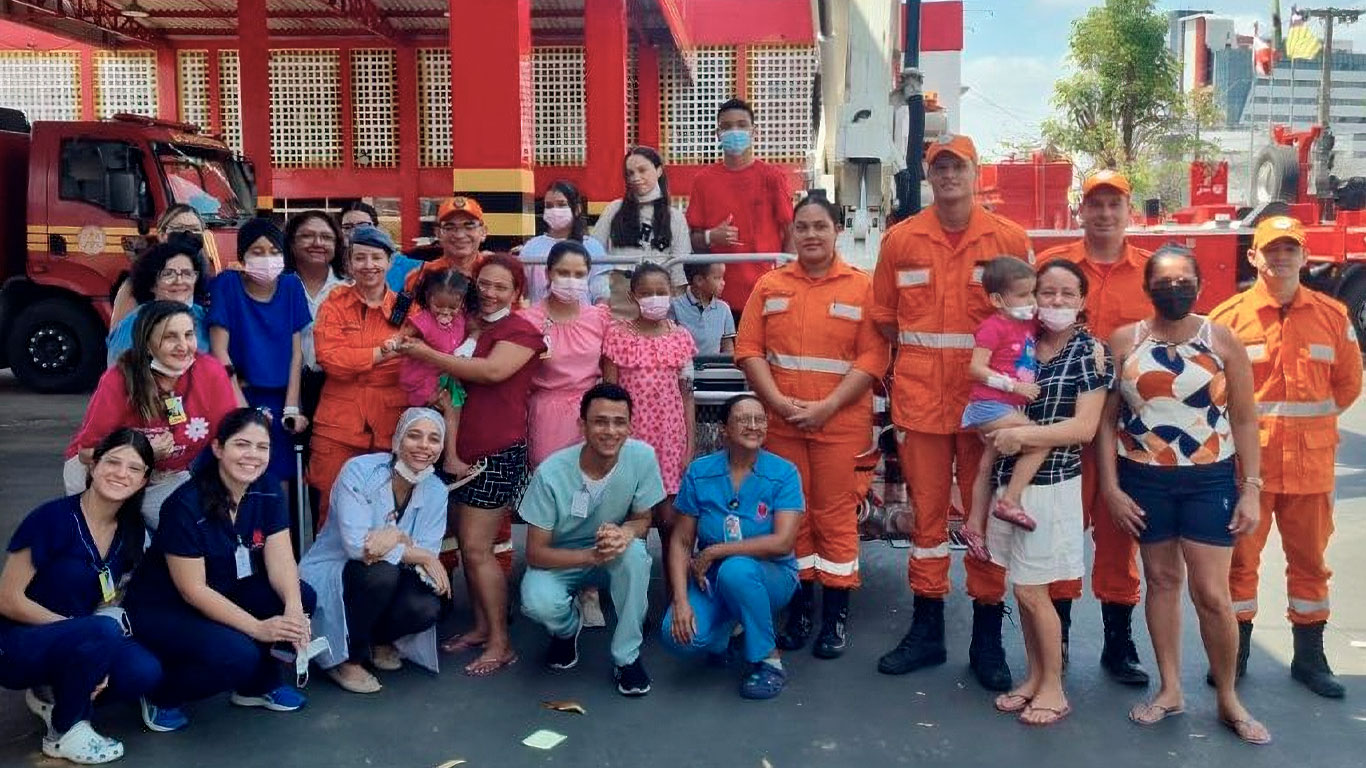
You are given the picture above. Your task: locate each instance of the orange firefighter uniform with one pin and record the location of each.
(813, 332)
(361, 399)
(1110, 305)
(1306, 366)
(928, 283)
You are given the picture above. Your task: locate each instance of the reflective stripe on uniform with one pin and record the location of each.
(938, 340)
(1298, 410)
(814, 364)
(1256, 352)
(930, 553)
(1322, 353)
(908, 278)
(1307, 606)
(826, 566)
(500, 547)
(1245, 606)
(846, 311)
(776, 304)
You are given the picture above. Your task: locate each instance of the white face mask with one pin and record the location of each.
(1022, 313)
(499, 315)
(1057, 318)
(558, 218)
(407, 473)
(165, 370)
(651, 196)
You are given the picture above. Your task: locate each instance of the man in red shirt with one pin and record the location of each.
(740, 205)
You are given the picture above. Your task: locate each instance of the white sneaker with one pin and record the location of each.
(590, 608)
(83, 745)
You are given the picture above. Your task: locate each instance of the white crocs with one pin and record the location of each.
(83, 745)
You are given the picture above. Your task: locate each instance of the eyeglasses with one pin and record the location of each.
(750, 421)
(487, 287)
(348, 226)
(316, 237)
(464, 226)
(184, 229)
(171, 275)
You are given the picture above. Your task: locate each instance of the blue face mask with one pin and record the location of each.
(735, 141)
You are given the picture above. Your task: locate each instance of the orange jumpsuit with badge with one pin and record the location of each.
(1110, 305)
(813, 332)
(930, 287)
(1306, 366)
(361, 400)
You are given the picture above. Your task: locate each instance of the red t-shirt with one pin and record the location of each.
(495, 415)
(1012, 354)
(760, 201)
(205, 394)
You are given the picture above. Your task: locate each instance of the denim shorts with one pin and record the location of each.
(1189, 502)
(979, 412)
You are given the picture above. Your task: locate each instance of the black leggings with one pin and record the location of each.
(383, 603)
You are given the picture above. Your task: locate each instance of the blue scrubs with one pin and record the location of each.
(73, 656)
(742, 588)
(260, 343)
(201, 656)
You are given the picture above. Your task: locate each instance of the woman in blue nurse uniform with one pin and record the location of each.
(740, 506)
(220, 588)
(59, 627)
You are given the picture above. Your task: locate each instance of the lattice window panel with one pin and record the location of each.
(192, 86)
(632, 94)
(561, 125)
(434, 105)
(305, 108)
(374, 119)
(781, 79)
(528, 91)
(690, 103)
(43, 85)
(230, 97)
(125, 81)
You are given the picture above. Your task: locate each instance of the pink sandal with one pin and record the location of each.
(977, 546)
(1013, 514)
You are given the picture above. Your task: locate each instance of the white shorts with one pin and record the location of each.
(1053, 550)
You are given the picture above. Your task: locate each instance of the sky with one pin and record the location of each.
(1015, 49)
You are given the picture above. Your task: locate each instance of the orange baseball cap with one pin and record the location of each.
(1277, 228)
(955, 144)
(460, 204)
(1106, 178)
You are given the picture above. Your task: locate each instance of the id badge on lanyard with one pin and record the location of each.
(175, 409)
(107, 588)
(243, 559)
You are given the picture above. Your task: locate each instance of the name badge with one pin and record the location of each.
(732, 528)
(578, 506)
(243, 558)
(107, 591)
(175, 409)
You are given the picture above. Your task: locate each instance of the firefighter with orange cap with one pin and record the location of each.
(1114, 271)
(929, 301)
(1306, 365)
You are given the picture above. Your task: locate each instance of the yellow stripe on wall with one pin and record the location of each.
(475, 180)
(510, 224)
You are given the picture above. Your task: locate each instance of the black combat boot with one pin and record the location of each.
(1244, 640)
(1119, 657)
(923, 645)
(831, 642)
(1310, 666)
(1064, 608)
(797, 630)
(986, 655)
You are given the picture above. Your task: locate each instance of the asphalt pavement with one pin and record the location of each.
(833, 713)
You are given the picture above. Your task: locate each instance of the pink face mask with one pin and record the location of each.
(654, 307)
(264, 269)
(569, 289)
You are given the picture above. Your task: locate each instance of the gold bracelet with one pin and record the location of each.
(1255, 482)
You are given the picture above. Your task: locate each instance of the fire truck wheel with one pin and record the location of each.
(56, 345)
(1277, 175)
(1353, 294)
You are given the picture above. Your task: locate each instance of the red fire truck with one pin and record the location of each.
(77, 201)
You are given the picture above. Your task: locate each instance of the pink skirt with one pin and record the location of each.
(553, 422)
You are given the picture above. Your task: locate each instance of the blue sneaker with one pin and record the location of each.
(764, 681)
(282, 699)
(162, 719)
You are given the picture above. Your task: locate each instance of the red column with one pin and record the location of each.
(168, 85)
(409, 204)
(87, 84)
(492, 119)
(605, 55)
(254, 55)
(647, 88)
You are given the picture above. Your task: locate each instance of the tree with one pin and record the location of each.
(1123, 107)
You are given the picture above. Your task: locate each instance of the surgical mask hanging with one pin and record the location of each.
(569, 289)
(165, 370)
(1025, 312)
(264, 269)
(499, 315)
(408, 473)
(735, 141)
(654, 307)
(558, 218)
(1057, 318)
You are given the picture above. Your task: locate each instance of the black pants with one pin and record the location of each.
(383, 603)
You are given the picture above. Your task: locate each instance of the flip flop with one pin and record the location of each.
(1142, 713)
(490, 667)
(1010, 703)
(1248, 730)
(1058, 715)
(460, 644)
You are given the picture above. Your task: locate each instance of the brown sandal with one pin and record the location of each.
(1058, 715)
(1249, 730)
(481, 667)
(1147, 713)
(460, 644)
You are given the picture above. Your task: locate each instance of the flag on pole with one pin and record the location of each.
(1262, 54)
(1300, 43)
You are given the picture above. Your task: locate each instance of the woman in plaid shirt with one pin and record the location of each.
(1074, 373)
